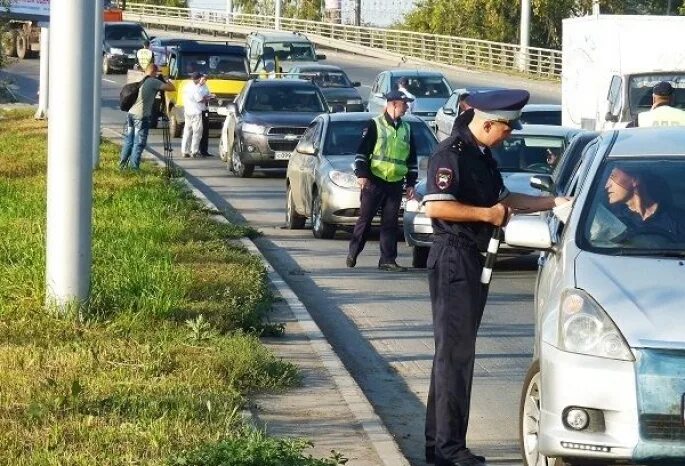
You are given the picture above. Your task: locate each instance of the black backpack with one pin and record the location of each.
(129, 94)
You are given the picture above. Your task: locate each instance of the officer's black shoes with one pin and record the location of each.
(466, 458)
(430, 455)
(350, 261)
(392, 267)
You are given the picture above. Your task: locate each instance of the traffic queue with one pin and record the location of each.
(456, 167)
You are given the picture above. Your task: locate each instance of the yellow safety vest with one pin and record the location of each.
(391, 152)
(663, 115)
(144, 57)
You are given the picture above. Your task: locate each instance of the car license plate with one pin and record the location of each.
(282, 155)
(212, 109)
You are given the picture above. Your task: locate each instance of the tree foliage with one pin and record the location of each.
(499, 20)
(174, 3)
(302, 9)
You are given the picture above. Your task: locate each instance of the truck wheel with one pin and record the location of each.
(105, 66)
(175, 127)
(23, 49)
(9, 43)
(419, 257)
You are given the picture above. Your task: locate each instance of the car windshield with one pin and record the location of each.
(215, 66)
(534, 154)
(125, 32)
(640, 90)
(326, 78)
(292, 51)
(425, 86)
(343, 137)
(285, 99)
(637, 207)
(541, 117)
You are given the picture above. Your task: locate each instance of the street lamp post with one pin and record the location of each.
(525, 35)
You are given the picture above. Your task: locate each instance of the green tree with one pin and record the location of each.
(4, 22)
(174, 3)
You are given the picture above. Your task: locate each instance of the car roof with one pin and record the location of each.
(363, 116)
(284, 36)
(653, 141)
(544, 130)
(211, 47)
(541, 108)
(282, 82)
(474, 90)
(413, 72)
(122, 23)
(319, 67)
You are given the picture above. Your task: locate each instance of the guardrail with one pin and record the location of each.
(440, 49)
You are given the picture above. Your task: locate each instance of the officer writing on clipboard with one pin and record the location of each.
(466, 198)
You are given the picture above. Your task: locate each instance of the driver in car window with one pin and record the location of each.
(635, 200)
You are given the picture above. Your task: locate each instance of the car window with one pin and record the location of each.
(214, 65)
(452, 102)
(382, 83)
(125, 32)
(636, 207)
(285, 99)
(541, 117)
(580, 147)
(425, 86)
(326, 78)
(521, 153)
(293, 51)
(344, 137)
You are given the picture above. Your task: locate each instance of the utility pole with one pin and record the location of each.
(229, 11)
(277, 23)
(70, 146)
(97, 80)
(525, 35)
(668, 7)
(595, 7)
(357, 12)
(43, 89)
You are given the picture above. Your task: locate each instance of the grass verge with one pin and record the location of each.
(154, 371)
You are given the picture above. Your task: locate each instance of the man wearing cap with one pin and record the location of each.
(385, 161)
(465, 198)
(662, 112)
(144, 55)
(193, 101)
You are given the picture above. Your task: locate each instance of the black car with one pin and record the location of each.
(340, 93)
(120, 42)
(266, 122)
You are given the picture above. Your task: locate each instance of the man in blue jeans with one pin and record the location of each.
(138, 118)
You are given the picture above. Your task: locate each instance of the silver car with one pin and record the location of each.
(607, 381)
(320, 182)
(430, 89)
(525, 153)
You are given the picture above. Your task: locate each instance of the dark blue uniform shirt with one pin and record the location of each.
(459, 170)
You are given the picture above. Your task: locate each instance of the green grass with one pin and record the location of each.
(155, 368)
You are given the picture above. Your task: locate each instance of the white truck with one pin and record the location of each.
(610, 64)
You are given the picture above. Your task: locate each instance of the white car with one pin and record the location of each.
(607, 383)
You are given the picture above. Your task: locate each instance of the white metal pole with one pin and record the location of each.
(43, 88)
(525, 34)
(277, 24)
(229, 11)
(70, 146)
(97, 80)
(595, 7)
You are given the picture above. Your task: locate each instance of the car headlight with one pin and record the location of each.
(116, 51)
(585, 328)
(343, 179)
(253, 128)
(414, 205)
(354, 102)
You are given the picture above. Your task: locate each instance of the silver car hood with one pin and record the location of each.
(342, 163)
(645, 297)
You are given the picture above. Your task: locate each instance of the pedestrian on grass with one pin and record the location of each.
(466, 199)
(385, 161)
(138, 118)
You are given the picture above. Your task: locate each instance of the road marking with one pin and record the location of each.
(109, 80)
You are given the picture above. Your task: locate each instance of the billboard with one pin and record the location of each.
(30, 9)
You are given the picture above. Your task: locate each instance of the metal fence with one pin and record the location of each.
(445, 50)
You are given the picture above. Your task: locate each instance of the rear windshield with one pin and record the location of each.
(343, 137)
(636, 207)
(285, 99)
(326, 78)
(425, 86)
(125, 32)
(291, 51)
(533, 154)
(540, 117)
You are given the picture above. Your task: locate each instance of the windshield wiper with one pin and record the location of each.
(675, 253)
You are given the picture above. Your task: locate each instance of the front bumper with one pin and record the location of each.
(265, 150)
(121, 62)
(340, 206)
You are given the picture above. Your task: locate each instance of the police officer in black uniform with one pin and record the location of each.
(386, 160)
(466, 198)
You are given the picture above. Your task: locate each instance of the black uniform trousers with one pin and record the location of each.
(204, 140)
(457, 300)
(387, 197)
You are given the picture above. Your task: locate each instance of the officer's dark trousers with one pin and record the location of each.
(387, 197)
(204, 140)
(457, 299)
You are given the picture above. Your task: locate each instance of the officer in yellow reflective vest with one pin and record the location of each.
(385, 162)
(662, 113)
(145, 56)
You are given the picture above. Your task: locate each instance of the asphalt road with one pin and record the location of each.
(379, 324)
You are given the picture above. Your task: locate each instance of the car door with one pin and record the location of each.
(310, 165)
(444, 119)
(295, 174)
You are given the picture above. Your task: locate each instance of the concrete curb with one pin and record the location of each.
(360, 407)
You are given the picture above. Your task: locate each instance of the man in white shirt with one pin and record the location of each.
(193, 105)
(402, 86)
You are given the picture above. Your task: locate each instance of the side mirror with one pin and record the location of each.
(320, 56)
(356, 84)
(543, 183)
(529, 232)
(611, 117)
(306, 148)
(447, 111)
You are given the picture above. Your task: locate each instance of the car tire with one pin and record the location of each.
(9, 43)
(175, 127)
(529, 421)
(321, 229)
(23, 46)
(293, 220)
(419, 257)
(239, 168)
(105, 66)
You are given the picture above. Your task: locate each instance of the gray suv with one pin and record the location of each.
(288, 48)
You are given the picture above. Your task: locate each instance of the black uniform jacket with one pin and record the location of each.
(461, 170)
(361, 162)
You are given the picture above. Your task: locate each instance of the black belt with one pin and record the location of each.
(457, 241)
